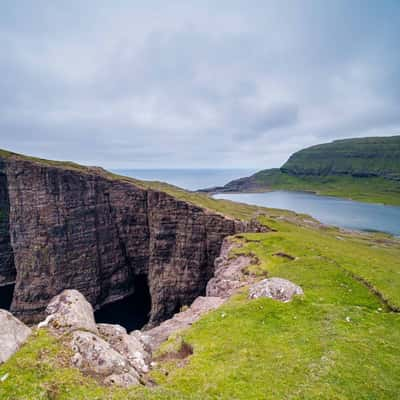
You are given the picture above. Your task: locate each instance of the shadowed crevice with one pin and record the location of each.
(6, 296)
(131, 312)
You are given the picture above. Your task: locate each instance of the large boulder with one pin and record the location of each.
(12, 334)
(96, 357)
(70, 311)
(129, 346)
(275, 288)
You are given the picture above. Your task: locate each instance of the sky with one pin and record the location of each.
(195, 84)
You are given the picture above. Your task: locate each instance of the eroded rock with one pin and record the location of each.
(70, 311)
(12, 334)
(228, 276)
(275, 288)
(183, 319)
(96, 357)
(129, 346)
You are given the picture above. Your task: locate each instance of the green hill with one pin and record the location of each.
(366, 169)
(366, 157)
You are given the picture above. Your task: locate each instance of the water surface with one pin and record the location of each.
(329, 210)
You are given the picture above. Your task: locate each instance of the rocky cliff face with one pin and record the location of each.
(81, 229)
(7, 270)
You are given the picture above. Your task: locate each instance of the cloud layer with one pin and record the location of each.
(195, 84)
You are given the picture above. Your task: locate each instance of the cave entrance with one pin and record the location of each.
(6, 296)
(132, 312)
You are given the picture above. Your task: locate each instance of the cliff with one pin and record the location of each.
(66, 226)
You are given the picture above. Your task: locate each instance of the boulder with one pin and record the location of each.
(129, 346)
(275, 288)
(70, 311)
(12, 334)
(96, 357)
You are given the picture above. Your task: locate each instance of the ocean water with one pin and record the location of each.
(330, 210)
(189, 179)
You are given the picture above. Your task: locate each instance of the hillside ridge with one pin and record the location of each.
(364, 169)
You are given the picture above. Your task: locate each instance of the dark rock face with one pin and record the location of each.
(86, 231)
(7, 269)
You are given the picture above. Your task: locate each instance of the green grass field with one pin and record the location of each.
(340, 341)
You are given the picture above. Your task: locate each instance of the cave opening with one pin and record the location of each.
(132, 312)
(6, 296)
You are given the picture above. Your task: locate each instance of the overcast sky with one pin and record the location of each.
(175, 84)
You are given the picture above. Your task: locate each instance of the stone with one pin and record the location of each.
(70, 311)
(143, 338)
(96, 357)
(129, 346)
(13, 333)
(275, 288)
(123, 380)
(182, 320)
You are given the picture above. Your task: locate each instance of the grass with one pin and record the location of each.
(369, 190)
(339, 341)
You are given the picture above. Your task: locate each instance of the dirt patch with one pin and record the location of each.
(185, 350)
(284, 255)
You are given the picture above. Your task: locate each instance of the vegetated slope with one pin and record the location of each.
(339, 341)
(366, 169)
(365, 157)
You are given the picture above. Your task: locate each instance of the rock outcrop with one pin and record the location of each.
(13, 334)
(98, 358)
(229, 271)
(131, 347)
(103, 351)
(275, 288)
(182, 320)
(72, 227)
(70, 311)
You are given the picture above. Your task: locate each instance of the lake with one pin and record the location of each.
(329, 210)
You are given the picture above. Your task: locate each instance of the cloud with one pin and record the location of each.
(184, 84)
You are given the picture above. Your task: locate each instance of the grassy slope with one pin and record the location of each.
(338, 342)
(379, 156)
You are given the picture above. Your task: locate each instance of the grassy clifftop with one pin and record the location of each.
(374, 156)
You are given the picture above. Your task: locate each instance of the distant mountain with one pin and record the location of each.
(365, 169)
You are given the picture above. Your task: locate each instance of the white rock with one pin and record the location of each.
(95, 356)
(129, 346)
(275, 288)
(12, 334)
(70, 311)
